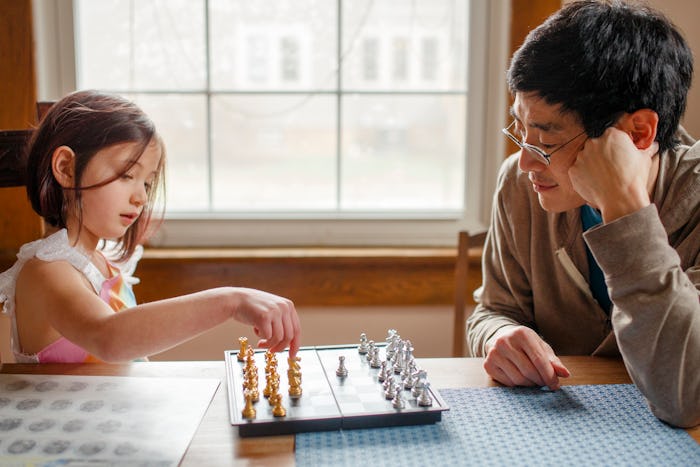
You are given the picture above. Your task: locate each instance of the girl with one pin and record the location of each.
(94, 166)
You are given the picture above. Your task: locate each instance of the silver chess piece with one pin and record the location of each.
(342, 370)
(363, 347)
(398, 401)
(424, 400)
(381, 376)
(421, 378)
(370, 350)
(390, 392)
(375, 361)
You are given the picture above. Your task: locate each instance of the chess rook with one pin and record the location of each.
(243, 341)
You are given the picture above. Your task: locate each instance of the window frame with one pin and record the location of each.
(488, 50)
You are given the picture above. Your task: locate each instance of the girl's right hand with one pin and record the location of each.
(274, 319)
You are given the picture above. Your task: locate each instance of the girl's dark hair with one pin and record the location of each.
(599, 59)
(87, 122)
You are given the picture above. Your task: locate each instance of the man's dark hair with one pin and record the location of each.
(600, 59)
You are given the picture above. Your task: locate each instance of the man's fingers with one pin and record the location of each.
(509, 372)
(560, 369)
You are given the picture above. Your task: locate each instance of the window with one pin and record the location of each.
(308, 112)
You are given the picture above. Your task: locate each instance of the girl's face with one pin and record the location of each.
(109, 210)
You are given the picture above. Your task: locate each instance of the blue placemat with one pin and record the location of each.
(577, 425)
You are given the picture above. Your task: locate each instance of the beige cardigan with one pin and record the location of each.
(535, 272)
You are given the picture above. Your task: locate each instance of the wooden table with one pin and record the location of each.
(217, 443)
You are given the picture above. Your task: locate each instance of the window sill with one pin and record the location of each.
(310, 276)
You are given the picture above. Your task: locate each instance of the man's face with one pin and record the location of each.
(545, 126)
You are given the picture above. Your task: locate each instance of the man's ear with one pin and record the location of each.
(63, 166)
(641, 125)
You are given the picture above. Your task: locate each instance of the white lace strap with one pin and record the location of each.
(56, 247)
(8, 279)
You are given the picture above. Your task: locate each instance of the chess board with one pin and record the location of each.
(328, 402)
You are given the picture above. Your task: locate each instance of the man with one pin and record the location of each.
(599, 89)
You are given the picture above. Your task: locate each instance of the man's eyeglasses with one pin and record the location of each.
(540, 154)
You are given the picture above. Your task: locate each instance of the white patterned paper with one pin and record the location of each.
(51, 420)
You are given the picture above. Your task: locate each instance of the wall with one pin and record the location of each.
(685, 15)
(428, 327)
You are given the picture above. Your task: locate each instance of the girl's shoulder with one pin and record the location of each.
(51, 254)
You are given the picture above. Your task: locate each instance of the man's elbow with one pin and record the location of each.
(682, 416)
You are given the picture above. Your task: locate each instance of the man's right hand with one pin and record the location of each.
(517, 356)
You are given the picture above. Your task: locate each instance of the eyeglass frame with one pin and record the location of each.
(543, 156)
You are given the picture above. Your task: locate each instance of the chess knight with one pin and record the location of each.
(294, 377)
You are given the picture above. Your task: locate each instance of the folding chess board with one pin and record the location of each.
(328, 402)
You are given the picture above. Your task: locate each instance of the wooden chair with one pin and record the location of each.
(463, 291)
(12, 174)
(12, 144)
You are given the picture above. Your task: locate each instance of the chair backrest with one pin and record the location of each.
(12, 157)
(12, 144)
(12, 174)
(468, 247)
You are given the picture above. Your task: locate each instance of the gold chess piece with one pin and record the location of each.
(278, 410)
(270, 380)
(244, 348)
(294, 377)
(248, 411)
(274, 390)
(251, 384)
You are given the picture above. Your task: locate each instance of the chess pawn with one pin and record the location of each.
(295, 387)
(398, 401)
(362, 348)
(424, 400)
(277, 409)
(248, 411)
(381, 376)
(342, 370)
(243, 350)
